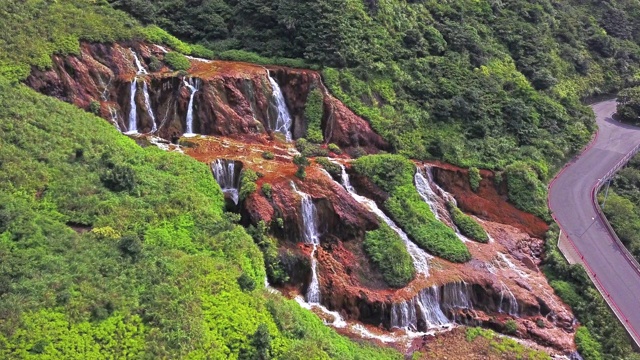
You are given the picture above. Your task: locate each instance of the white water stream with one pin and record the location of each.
(283, 122)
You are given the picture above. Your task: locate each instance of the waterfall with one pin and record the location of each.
(193, 89)
(283, 122)
(420, 257)
(133, 116)
(310, 236)
(141, 69)
(147, 104)
(430, 192)
(421, 312)
(512, 303)
(456, 295)
(114, 117)
(224, 172)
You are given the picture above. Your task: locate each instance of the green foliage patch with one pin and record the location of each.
(468, 226)
(394, 175)
(474, 178)
(526, 191)
(159, 258)
(389, 253)
(313, 115)
(177, 61)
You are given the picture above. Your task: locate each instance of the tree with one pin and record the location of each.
(629, 105)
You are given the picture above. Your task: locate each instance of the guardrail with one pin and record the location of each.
(569, 250)
(594, 198)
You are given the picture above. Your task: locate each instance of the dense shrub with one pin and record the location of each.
(628, 108)
(308, 149)
(177, 61)
(119, 178)
(301, 173)
(526, 191)
(248, 184)
(394, 174)
(389, 253)
(268, 155)
(474, 178)
(587, 346)
(266, 190)
(334, 149)
(333, 169)
(301, 160)
(468, 226)
(510, 327)
(313, 115)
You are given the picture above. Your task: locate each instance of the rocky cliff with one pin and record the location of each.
(236, 104)
(231, 99)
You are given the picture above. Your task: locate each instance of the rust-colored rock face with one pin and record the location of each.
(235, 104)
(232, 99)
(490, 202)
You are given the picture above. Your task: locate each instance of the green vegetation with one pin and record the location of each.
(308, 149)
(394, 175)
(334, 149)
(333, 169)
(474, 178)
(177, 61)
(248, 184)
(467, 225)
(622, 207)
(510, 327)
(628, 108)
(526, 191)
(268, 155)
(267, 190)
(587, 346)
(509, 348)
(572, 284)
(301, 173)
(161, 255)
(388, 252)
(313, 116)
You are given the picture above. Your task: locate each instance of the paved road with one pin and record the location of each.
(570, 201)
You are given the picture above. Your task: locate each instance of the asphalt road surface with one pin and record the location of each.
(571, 203)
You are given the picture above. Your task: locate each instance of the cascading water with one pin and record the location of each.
(193, 89)
(114, 117)
(511, 307)
(133, 111)
(456, 295)
(422, 312)
(147, 104)
(429, 192)
(310, 236)
(225, 175)
(133, 116)
(141, 69)
(420, 257)
(283, 122)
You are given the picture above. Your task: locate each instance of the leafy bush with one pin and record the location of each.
(266, 190)
(474, 178)
(394, 174)
(628, 107)
(587, 346)
(526, 191)
(154, 64)
(301, 173)
(313, 115)
(94, 107)
(333, 169)
(389, 253)
(156, 35)
(119, 178)
(308, 149)
(177, 61)
(510, 327)
(246, 282)
(467, 225)
(268, 155)
(301, 160)
(248, 184)
(334, 149)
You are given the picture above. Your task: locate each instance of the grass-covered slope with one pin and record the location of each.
(390, 255)
(394, 174)
(112, 250)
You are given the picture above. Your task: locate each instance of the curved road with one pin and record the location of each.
(572, 206)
